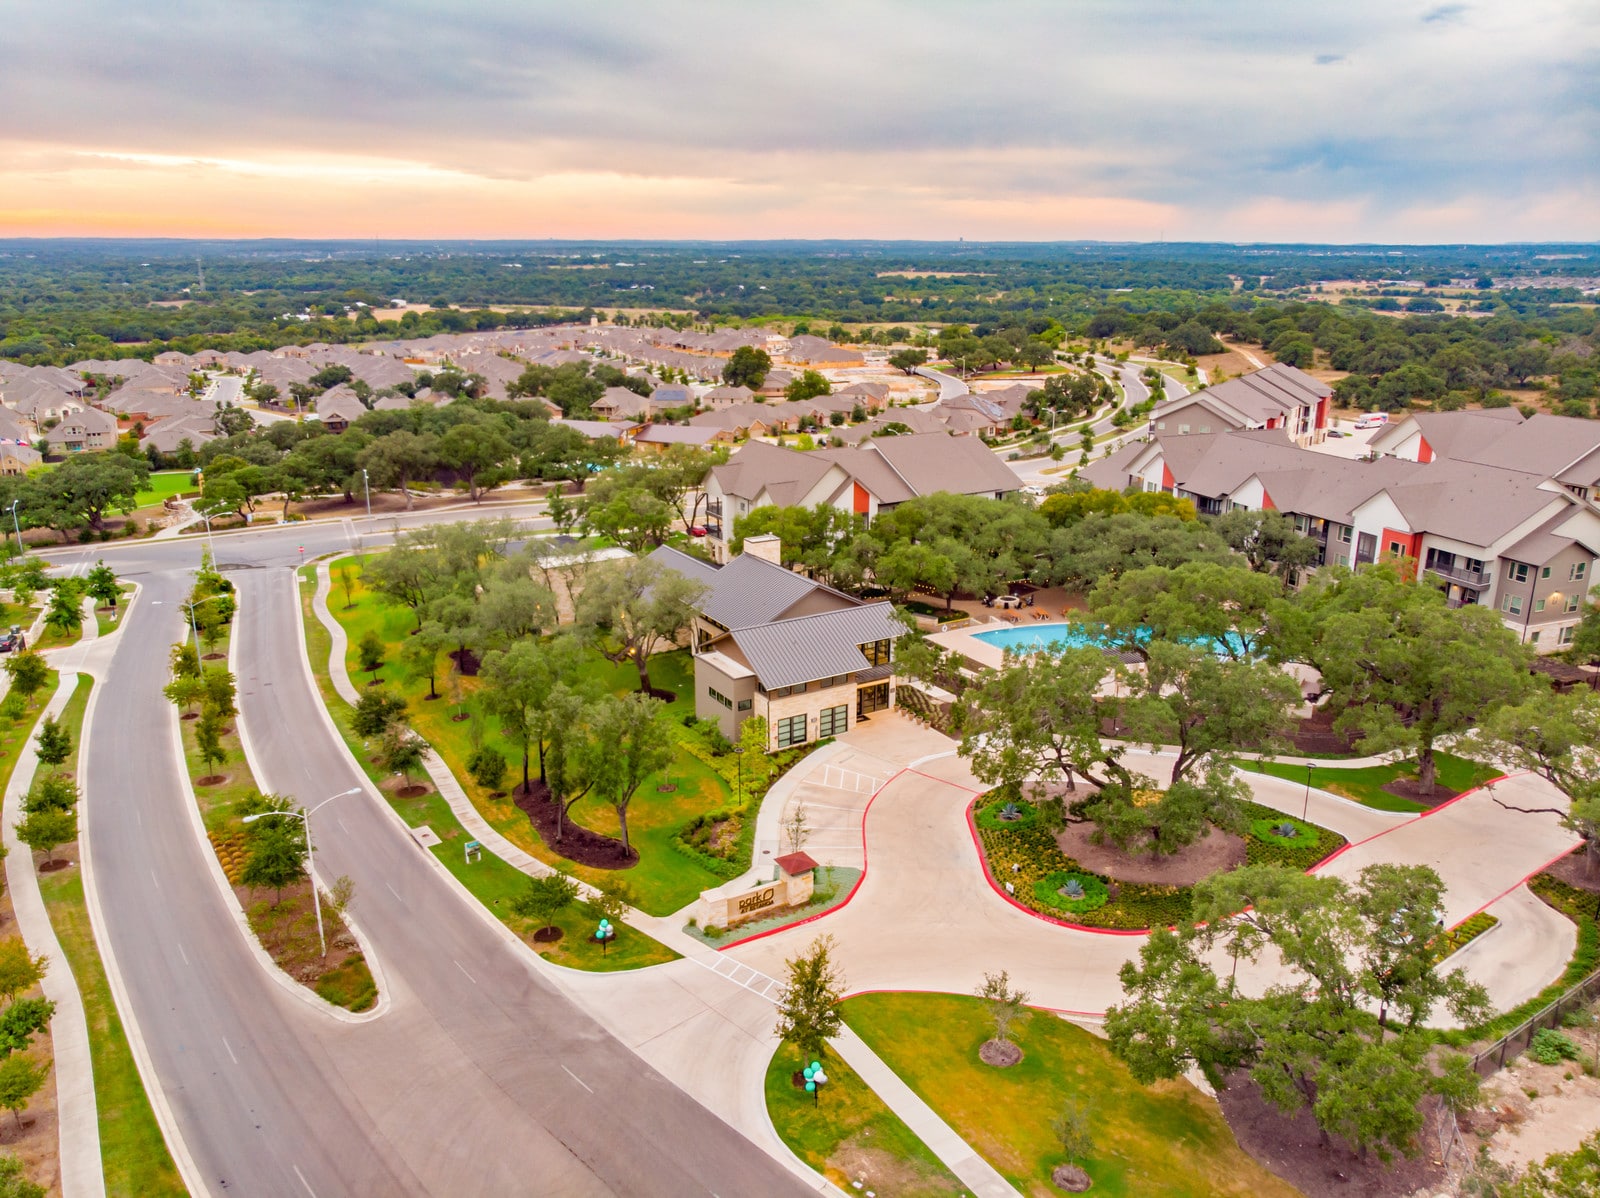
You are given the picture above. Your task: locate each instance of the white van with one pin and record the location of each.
(1372, 419)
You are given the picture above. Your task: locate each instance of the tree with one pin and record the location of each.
(488, 768)
(639, 742)
(808, 1010)
(1006, 1005)
(21, 1077)
(1102, 546)
(755, 767)
(28, 673)
(376, 711)
(46, 830)
(1072, 1131)
(277, 856)
(808, 385)
(208, 738)
(1268, 540)
(1307, 1042)
(748, 367)
(83, 490)
(394, 460)
(370, 651)
(544, 898)
(19, 971)
(51, 792)
(518, 683)
(1177, 817)
(419, 655)
(1038, 715)
(1220, 606)
(53, 743)
(221, 691)
(14, 1182)
(185, 660)
(909, 359)
(101, 582)
(1554, 736)
(1413, 670)
(400, 751)
(475, 450)
(634, 607)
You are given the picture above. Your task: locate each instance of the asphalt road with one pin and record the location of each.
(481, 1078)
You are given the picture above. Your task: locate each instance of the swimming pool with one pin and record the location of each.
(1043, 637)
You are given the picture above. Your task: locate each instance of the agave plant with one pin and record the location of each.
(1010, 812)
(1288, 831)
(1073, 889)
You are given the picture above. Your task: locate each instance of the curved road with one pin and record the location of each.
(481, 1078)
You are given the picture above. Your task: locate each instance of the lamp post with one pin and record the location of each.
(738, 759)
(193, 627)
(311, 862)
(17, 526)
(815, 1080)
(1306, 807)
(366, 485)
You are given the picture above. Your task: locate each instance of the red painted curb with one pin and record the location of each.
(977, 841)
(800, 923)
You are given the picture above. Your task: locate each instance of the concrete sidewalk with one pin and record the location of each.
(78, 1122)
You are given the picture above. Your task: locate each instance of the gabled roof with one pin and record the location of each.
(1462, 434)
(930, 462)
(750, 591)
(806, 648)
(786, 475)
(687, 564)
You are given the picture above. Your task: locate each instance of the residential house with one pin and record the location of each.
(619, 403)
(168, 435)
(810, 660)
(338, 408)
(726, 397)
(671, 395)
(658, 437)
(1279, 397)
(16, 458)
(85, 430)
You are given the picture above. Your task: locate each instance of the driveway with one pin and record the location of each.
(927, 918)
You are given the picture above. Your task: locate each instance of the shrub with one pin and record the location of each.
(1007, 813)
(1073, 893)
(1283, 830)
(1550, 1047)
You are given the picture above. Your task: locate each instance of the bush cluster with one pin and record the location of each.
(1049, 891)
(1302, 852)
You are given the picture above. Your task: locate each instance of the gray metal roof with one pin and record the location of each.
(806, 648)
(750, 591)
(686, 564)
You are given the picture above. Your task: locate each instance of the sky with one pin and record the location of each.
(1179, 120)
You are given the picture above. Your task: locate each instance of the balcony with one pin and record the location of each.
(1476, 579)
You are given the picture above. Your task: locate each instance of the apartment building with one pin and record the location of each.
(768, 642)
(1521, 540)
(1279, 397)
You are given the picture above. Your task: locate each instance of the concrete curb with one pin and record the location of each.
(78, 1120)
(160, 1105)
(231, 904)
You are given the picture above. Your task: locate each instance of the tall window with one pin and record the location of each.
(1579, 569)
(791, 731)
(877, 652)
(1517, 572)
(834, 721)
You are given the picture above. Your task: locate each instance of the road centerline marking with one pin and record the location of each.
(229, 1047)
(463, 969)
(576, 1078)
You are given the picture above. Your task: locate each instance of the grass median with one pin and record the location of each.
(1364, 784)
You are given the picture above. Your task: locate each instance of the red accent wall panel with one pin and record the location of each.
(1424, 450)
(862, 502)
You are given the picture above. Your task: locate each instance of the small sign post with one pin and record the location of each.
(474, 851)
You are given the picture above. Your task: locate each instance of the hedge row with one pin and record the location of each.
(1463, 934)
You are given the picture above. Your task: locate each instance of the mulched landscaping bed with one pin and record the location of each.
(1291, 1146)
(578, 844)
(1425, 796)
(1576, 871)
(466, 662)
(1316, 735)
(1215, 852)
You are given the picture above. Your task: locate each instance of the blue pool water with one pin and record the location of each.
(1033, 638)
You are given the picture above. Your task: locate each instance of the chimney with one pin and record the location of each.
(768, 547)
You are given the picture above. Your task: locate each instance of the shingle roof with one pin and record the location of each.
(931, 462)
(806, 648)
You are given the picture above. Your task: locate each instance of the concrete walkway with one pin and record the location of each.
(78, 1122)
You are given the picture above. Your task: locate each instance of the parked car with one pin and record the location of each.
(697, 531)
(13, 639)
(1372, 419)
(1333, 432)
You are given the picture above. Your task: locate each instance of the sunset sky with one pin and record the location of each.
(1257, 120)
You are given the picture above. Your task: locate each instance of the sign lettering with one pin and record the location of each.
(754, 902)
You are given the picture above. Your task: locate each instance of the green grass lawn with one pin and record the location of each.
(489, 879)
(1166, 1139)
(849, 1135)
(1365, 784)
(164, 484)
(133, 1153)
(664, 879)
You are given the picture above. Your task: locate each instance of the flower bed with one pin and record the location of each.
(1463, 934)
(1024, 853)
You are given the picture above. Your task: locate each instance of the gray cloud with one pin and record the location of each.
(1202, 106)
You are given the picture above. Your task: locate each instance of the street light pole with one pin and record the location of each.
(311, 861)
(14, 524)
(1306, 807)
(366, 486)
